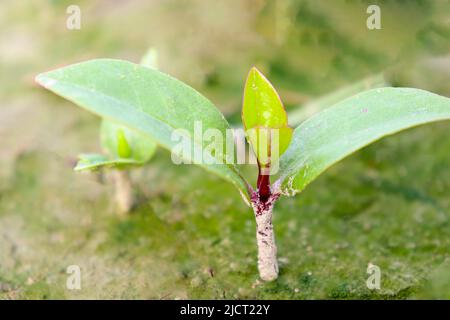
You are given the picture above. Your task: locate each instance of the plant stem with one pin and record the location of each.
(265, 238)
(124, 191)
(264, 187)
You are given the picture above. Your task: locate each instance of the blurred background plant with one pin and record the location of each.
(51, 218)
(125, 149)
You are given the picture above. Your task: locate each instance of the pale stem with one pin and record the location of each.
(124, 191)
(265, 238)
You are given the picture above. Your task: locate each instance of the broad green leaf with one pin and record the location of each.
(352, 124)
(122, 142)
(264, 118)
(97, 161)
(316, 105)
(145, 100)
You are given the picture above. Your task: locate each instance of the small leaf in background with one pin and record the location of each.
(122, 142)
(265, 119)
(123, 148)
(92, 162)
(150, 59)
(352, 124)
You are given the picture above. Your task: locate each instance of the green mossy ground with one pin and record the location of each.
(191, 236)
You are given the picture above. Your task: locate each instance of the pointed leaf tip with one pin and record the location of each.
(262, 106)
(44, 81)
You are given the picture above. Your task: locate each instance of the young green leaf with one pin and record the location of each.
(122, 142)
(125, 148)
(150, 59)
(265, 119)
(352, 124)
(269, 143)
(145, 100)
(94, 162)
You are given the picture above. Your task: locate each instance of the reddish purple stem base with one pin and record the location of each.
(263, 186)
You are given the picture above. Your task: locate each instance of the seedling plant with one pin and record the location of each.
(157, 105)
(125, 149)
